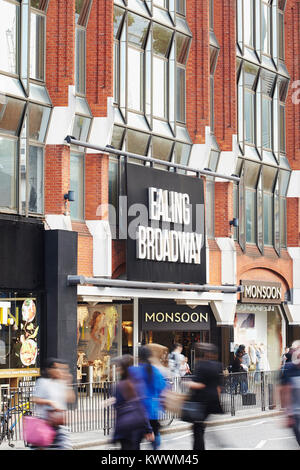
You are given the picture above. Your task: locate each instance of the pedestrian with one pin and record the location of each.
(205, 388)
(290, 390)
(159, 358)
(151, 384)
(132, 423)
(184, 367)
(175, 360)
(239, 369)
(52, 394)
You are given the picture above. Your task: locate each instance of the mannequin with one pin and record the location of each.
(252, 355)
(264, 363)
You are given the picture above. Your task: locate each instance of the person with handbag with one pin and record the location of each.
(52, 394)
(132, 423)
(205, 389)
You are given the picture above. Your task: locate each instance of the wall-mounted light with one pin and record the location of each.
(69, 196)
(234, 222)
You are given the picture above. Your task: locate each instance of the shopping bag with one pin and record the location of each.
(248, 399)
(37, 431)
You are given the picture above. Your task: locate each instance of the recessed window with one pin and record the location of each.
(37, 46)
(8, 173)
(266, 28)
(77, 185)
(36, 180)
(11, 114)
(38, 121)
(9, 26)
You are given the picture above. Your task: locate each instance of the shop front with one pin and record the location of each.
(260, 322)
(21, 297)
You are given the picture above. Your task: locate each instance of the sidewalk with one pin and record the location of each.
(92, 439)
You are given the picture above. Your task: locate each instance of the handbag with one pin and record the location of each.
(131, 416)
(173, 401)
(37, 431)
(193, 411)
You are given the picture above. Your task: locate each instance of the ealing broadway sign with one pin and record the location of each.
(165, 222)
(261, 292)
(174, 317)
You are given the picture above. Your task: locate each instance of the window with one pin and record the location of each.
(77, 185)
(249, 23)
(151, 47)
(250, 181)
(36, 179)
(37, 46)
(8, 173)
(82, 9)
(9, 27)
(266, 28)
(210, 208)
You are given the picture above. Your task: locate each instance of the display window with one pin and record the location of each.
(97, 340)
(19, 335)
(261, 328)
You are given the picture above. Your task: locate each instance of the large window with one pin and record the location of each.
(82, 9)
(25, 107)
(77, 185)
(151, 47)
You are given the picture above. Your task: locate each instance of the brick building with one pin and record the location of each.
(208, 84)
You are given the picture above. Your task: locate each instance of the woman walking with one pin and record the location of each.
(132, 423)
(151, 384)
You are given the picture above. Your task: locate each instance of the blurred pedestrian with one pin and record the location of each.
(205, 388)
(184, 367)
(175, 360)
(132, 423)
(159, 358)
(52, 394)
(151, 384)
(290, 390)
(239, 369)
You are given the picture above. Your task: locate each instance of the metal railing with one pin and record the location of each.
(92, 412)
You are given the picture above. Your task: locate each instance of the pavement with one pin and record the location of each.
(90, 439)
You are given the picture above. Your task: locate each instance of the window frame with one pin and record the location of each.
(81, 155)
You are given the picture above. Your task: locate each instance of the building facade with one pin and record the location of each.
(212, 85)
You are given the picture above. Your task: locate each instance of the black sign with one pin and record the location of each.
(173, 317)
(166, 228)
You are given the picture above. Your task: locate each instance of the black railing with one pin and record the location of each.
(94, 409)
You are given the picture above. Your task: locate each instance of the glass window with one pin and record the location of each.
(182, 48)
(39, 4)
(282, 128)
(248, 23)
(11, 114)
(81, 127)
(211, 14)
(137, 142)
(36, 180)
(80, 37)
(268, 219)
(159, 87)
(135, 79)
(137, 29)
(113, 184)
(117, 137)
(77, 185)
(250, 201)
(280, 36)
(266, 28)
(283, 223)
(266, 123)
(180, 95)
(82, 9)
(37, 46)
(9, 20)
(161, 40)
(249, 116)
(160, 3)
(182, 153)
(38, 121)
(180, 7)
(161, 148)
(8, 173)
(118, 17)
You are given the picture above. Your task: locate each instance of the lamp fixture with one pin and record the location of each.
(234, 222)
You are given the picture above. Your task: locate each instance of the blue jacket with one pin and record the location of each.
(149, 390)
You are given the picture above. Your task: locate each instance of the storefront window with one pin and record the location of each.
(260, 328)
(19, 334)
(97, 340)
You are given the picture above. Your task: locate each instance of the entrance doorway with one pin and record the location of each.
(186, 338)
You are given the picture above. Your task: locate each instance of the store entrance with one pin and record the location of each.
(186, 338)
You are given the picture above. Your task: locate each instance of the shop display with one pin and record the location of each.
(97, 329)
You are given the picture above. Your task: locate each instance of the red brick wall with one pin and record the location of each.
(57, 176)
(96, 183)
